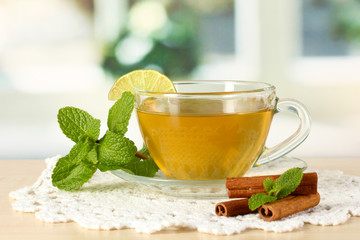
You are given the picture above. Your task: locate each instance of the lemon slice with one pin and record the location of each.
(144, 79)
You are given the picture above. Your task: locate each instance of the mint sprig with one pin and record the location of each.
(113, 151)
(280, 188)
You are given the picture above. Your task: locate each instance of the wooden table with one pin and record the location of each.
(15, 174)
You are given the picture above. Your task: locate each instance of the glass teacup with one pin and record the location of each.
(212, 130)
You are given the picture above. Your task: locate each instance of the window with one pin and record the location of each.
(320, 33)
(275, 35)
(330, 43)
(45, 45)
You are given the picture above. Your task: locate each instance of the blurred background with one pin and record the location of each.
(56, 53)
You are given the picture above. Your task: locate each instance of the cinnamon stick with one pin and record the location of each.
(245, 187)
(233, 208)
(287, 206)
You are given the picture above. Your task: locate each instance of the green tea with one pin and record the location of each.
(205, 147)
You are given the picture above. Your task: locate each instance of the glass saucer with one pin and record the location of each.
(208, 189)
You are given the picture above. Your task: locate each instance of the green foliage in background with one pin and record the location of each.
(172, 49)
(346, 20)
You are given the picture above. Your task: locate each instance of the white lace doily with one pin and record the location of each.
(106, 202)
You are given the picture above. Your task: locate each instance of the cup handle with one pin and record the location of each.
(289, 144)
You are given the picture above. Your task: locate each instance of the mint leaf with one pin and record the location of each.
(68, 175)
(70, 172)
(259, 199)
(142, 167)
(115, 151)
(76, 123)
(92, 156)
(268, 184)
(287, 183)
(120, 113)
(80, 150)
